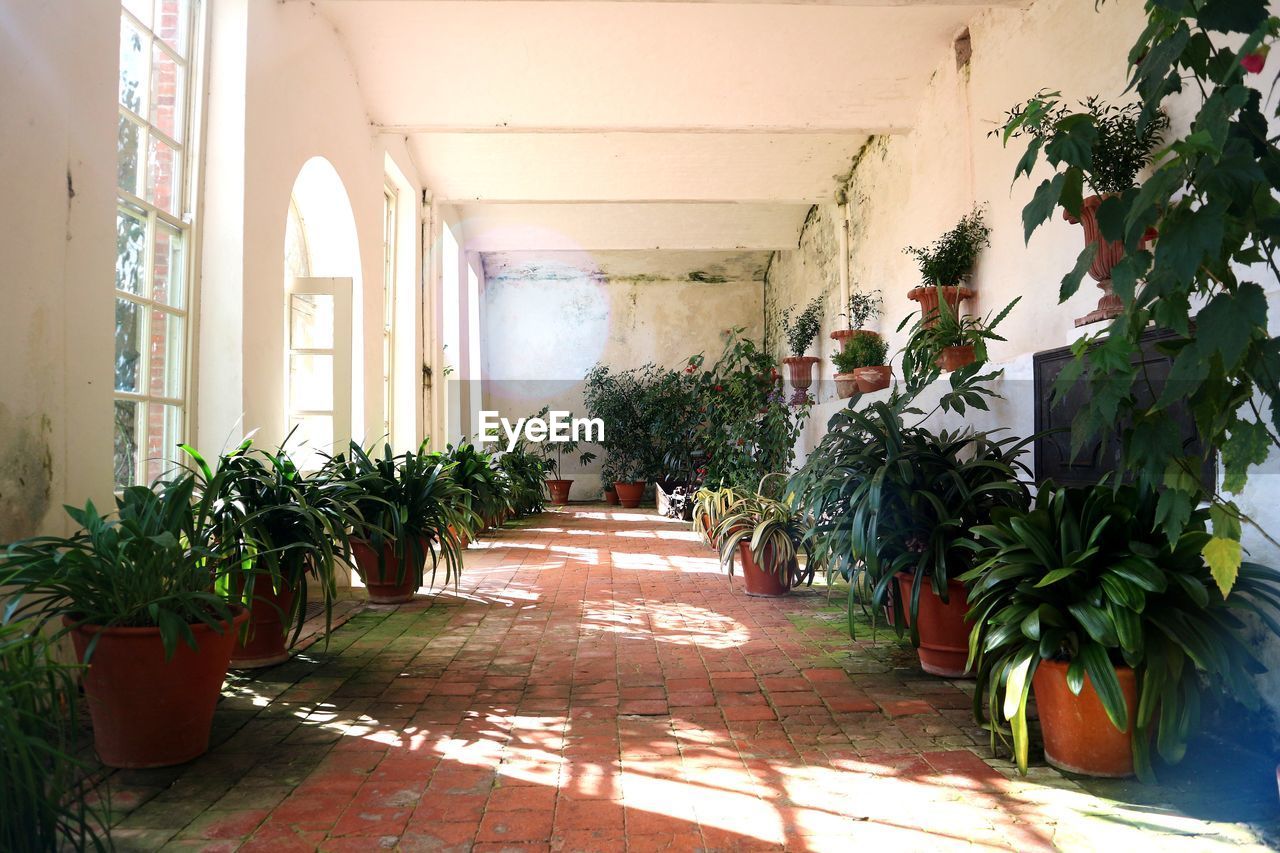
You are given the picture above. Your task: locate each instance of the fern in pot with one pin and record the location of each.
(800, 333)
(945, 264)
(136, 592)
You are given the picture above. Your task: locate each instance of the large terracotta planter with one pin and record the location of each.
(1108, 255)
(266, 642)
(871, 379)
(148, 711)
(927, 296)
(386, 583)
(846, 385)
(759, 580)
(944, 635)
(954, 358)
(559, 490)
(630, 494)
(843, 336)
(800, 370)
(611, 496)
(1079, 737)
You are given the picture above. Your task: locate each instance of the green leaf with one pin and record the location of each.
(1071, 281)
(1042, 204)
(1247, 444)
(1106, 684)
(1223, 325)
(1223, 557)
(1052, 577)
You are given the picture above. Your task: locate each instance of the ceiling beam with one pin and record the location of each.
(707, 130)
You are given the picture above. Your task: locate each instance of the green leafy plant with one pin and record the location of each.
(552, 451)
(861, 351)
(487, 491)
(709, 506)
(773, 529)
(947, 260)
(920, 365)
(862, 307)
(1088, 576)
(801, 331)
(619, 399)
(1212, 203)
(525, 474)
(43, 786)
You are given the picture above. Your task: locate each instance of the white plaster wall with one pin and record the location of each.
(57, 242)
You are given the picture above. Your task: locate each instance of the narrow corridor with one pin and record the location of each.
(597, 684)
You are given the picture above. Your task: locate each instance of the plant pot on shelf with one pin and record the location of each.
(1108, 255)
(843, 336)
(148, 711)
(800, 370)
(927, 296)
(611, 496)
(846, 385)
(630, 494)
(266, 641)
(944, 635)
(763, 581)
(387, 583)
(954, 358)
(874, 378)
(1079, 737)
(559, 490)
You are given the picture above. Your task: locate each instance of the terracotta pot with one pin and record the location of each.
(871, 379)
(267, 641)
(846, 385)
(559, 490)
(611, 496)
(462, 539)
(846, 335)
(944, 635)
(1108, 255)
(800, 370)
(760, 581)
(386, 583)
(928, 299)
(630, 494)
(954, 358)
(146, 711)
(1079, 737)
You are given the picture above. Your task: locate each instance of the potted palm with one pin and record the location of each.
(484, 491)
(861, 308)
(1118, 631)
(136, 593)
(407, 504)
(766, 535)
(860, 366)
(946, 263)
(800, 333)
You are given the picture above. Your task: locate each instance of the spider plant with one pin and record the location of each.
(941, 329)
(1089, 576)
(473, 471)
(710, 505)
(773, 529)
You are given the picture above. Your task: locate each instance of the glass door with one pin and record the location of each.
(319, 369)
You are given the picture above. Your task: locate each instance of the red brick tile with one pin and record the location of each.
(749, 712)
(515, 826)
(645, 707)
(905, 707)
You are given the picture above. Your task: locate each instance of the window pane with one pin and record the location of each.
(128, 140)
(131, 248)
(168, 284)
(133, 66)
(163, 177)
(311, 321)
(311, 435)
(141, 10)
(173, 18)
(164, 424)
(128, 339)
(126, 443)
(166, 93)
(311, 382)
(166, 355)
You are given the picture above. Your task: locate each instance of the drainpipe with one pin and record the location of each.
(843, 241)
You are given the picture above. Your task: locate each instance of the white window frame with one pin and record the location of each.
(390, 247)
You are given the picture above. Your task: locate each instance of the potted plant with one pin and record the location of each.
(765, 534)
(136, 593)
(1120, 146)
(946, 263)
(800, 333)
(407, 503)
(1118, 631)
(620, 400)
(709, 506)
(948, 344)
(525, 473)
(485, 491)
(860, 366)
(860, 308)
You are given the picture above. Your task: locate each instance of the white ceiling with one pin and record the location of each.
(672, 266)
(567, 125)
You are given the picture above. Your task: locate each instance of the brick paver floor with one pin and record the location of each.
(596, 683)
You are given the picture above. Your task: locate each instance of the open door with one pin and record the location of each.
(318, 374)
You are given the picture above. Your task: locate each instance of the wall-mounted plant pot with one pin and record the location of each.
(764, 581)
(846, 385)
(871, 379)
(266, 640)
(954, 358)
(148, 711)
(800, 370)
(928, 299)
(843, 336)
(1079, 737)
(1109, 253)
(559, 490)
(386, 583)
(630, 494)
(611, 496)
(944, 635)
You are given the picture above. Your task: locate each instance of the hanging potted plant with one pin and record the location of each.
(860, 366)
(946, 263)
(1085, 602)
(861, 308)
(800, 333)
(1121, 146)
(948, 344)
(765, 535)
(136, 593)
(407, 505)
